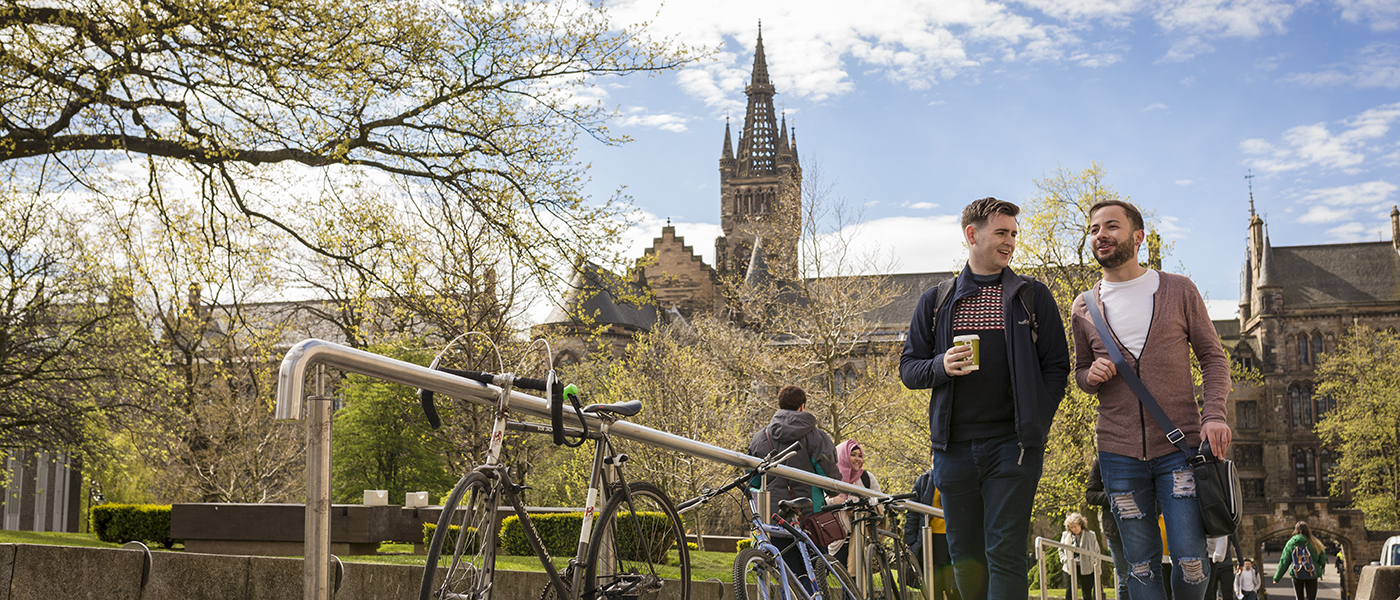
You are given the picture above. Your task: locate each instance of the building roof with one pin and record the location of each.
(601, 296)
(1333, 274)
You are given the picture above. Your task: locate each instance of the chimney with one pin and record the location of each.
(1395, 227)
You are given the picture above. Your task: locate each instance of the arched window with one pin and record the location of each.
(1323, 404)
(1303, 353)
(1316, 347)
(1295, 400)
(1326, 461)
(1305, 472)
(1306, 393)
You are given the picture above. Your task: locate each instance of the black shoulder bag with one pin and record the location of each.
(1217, 485)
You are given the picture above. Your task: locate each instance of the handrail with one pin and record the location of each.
(291, 381)
(1072, 585)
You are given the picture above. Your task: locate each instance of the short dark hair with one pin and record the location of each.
(977, 213)
(1133, 213)
(791, 397)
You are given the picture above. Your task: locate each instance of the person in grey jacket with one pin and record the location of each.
(818, 455)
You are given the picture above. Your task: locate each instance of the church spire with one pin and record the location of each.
(728, 145)
(758, 146)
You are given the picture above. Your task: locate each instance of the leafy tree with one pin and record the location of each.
(475, 104)
(1363, 375)
(382, 441)
(73, 355)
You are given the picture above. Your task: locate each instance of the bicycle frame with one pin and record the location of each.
(763, 540)
(599, 482)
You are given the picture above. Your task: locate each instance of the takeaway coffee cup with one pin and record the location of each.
(976, 342)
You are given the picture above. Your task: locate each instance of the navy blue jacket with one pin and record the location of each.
(1039, 370)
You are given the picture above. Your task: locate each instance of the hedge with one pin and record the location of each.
(744, 543)
(451, 542)
(559, 532)
(121, 523)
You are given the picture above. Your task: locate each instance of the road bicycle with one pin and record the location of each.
(633, 549)
(762, 564)
(892, 571)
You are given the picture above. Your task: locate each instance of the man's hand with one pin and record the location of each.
(1218, 434)
(957, 360)
(1102, 370)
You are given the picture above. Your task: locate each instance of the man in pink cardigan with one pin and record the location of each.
(1158, 320)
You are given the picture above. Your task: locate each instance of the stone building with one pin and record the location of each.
(42, 492)
(1295, 303)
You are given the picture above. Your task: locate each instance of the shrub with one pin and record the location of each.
(121, 523)
(558, 531)
(451, 541)
(744, 543)
(631, 543)
(1054, 577)
(692, 545)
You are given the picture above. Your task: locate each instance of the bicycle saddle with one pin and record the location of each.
(624, 409)
(797, 505)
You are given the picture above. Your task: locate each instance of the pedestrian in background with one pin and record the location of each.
(1078, 568)
(1304, 557)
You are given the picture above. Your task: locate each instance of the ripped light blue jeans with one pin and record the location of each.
(1137, 491)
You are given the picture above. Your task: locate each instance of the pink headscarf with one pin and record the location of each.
(849, 473)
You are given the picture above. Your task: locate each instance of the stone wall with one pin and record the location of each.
(32, 572)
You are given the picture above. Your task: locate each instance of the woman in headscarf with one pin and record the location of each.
(850, 459)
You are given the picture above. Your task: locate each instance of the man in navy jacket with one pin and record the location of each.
(988, 423)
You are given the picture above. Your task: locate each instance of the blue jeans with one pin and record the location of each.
(1120, 564)
(1137, 490)
(988, 487)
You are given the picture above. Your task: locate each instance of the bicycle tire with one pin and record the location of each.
(767, 575)
(841, 578)
(877, 565)
(630, 554)
(473, 564)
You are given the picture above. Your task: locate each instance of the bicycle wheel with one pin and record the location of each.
(909, 569)
(879, 582)
(755, 567)
(840, 581)
(637, 547)
(472, 505)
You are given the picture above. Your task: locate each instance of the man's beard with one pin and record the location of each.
(1122, 253)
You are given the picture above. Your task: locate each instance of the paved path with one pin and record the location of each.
(1328, 587)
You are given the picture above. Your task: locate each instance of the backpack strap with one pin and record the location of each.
(1027, 296)
(941, 296)
(865, 478)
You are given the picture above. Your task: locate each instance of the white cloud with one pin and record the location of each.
(923, 205)
(1316, 145)
(1222, 18)
(1381, 15)
(916, 244)
(1188, 81)
(1184, 182)
(1222, 310)
(1375, 66)
(1369, 194)
(1351, 232)
(1170, 229)
(664, 122)
(1324, 214)
(1154, 106)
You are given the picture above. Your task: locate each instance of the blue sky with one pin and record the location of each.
(914, 108)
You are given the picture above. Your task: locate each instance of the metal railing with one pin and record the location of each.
(291, 382)
(1072, 583)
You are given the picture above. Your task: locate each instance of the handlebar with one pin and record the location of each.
(773, 459)
(549, 385)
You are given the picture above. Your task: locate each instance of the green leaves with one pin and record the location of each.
(1363, 375)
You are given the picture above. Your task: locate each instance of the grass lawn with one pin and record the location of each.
(49, 538)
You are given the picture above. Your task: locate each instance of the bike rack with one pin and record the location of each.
(291, 382)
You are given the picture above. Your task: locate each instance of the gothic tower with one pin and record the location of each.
(760, 186)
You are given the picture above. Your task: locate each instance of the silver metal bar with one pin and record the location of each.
(316, 578)
(1041, 543)
(927, 555)
(292, 375)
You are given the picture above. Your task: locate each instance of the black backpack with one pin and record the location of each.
(1026, 294)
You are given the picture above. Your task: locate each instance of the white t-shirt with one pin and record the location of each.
(1128, 307)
